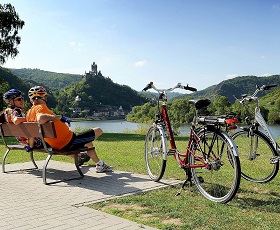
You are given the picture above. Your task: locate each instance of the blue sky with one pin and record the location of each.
(195, 42)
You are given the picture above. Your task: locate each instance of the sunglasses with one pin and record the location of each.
(19, 99)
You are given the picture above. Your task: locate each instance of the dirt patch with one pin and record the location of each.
(122, 207)
(176, 221)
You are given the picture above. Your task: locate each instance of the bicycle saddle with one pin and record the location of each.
(200, 103)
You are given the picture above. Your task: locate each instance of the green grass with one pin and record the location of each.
(256, 206)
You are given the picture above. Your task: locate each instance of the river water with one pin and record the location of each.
(120, 126)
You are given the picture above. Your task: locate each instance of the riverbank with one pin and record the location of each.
(96, 118)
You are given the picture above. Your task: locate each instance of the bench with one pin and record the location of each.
(34, 129)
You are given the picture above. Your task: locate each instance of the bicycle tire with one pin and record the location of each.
(155, 152)
(220, 182)
(256, 167)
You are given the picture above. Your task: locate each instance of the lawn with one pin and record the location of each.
(256, 206)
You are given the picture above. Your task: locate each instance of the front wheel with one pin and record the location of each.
(155, 152)
(220, 179)
(255, 152)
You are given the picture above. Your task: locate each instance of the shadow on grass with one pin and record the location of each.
(130, 137)
(264, 202)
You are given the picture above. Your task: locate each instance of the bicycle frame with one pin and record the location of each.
(260, 120)
(177, 154)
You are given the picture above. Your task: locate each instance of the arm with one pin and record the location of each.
(43, 118)
(18, 120)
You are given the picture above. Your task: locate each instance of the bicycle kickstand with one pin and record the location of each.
(188, 179)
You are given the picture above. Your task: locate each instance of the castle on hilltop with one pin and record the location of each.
(92, 72)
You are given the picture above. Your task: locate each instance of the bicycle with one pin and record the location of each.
(259, 152)
(211, 157)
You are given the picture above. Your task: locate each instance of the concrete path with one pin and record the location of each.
(26, 203)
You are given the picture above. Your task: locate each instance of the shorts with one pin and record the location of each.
(80, 139)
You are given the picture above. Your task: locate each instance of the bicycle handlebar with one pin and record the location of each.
(179, 85)
(253, 96)
(267, 87)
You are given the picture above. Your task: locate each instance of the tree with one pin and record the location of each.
(10, 23)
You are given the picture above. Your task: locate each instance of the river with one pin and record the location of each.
(120, 126)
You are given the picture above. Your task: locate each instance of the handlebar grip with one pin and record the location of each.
(149, 86)
(190, 88)
(266, 87)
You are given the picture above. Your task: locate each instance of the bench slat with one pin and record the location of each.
(28, 129)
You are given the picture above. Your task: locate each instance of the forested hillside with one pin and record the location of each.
(98, 93)
(9, 80)
(51, 79)
(237, 86)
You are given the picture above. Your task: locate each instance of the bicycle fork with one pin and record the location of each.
(253, 146)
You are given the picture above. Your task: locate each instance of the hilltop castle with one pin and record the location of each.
(92, 72)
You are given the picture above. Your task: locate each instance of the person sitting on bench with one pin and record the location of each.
(66, 139)
(15, 114)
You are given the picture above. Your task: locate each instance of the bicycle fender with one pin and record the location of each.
(163, 134)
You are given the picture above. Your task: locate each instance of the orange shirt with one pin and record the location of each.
(63, 133)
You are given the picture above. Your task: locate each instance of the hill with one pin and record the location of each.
(51, 79)
(9, 80)
(237, 86)
(98, 93)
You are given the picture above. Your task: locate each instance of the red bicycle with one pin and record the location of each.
(211, 157)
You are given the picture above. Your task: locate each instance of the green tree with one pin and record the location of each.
(274, 113)
(10, 23)
(220, 105)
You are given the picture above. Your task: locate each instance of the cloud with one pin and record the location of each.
(229, 76)
(140, 63)
(76, 45)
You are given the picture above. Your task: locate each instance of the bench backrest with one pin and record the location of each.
(28, 129)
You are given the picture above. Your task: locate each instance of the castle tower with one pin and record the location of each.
(93, 69)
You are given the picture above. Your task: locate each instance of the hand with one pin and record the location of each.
(28, 148)
(65, 119)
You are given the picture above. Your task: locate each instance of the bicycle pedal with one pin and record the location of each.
(274, 160)
(171, 152)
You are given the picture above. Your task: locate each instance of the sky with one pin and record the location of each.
(134, 42)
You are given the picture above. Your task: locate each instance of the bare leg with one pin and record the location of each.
(92, 153)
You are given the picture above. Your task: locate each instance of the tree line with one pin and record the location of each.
(181, 112)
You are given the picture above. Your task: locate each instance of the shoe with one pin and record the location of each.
(83, 158)
(101, 166)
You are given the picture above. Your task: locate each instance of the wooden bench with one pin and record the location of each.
(34, 129)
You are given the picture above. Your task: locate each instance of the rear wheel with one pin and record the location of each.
(220, 180)
(255, 152)
(155, 152)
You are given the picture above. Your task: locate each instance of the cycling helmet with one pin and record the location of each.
(37, 92)
(11, 95)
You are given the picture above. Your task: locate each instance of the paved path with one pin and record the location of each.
(26, 203)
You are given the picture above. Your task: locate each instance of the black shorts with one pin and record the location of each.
(80, 139)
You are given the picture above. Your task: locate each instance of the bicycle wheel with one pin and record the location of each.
(220, 180)
(155, 152)
(255, 152)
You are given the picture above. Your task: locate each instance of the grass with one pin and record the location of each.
(256, 206)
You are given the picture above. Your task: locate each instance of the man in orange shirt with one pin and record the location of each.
(66, 139)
